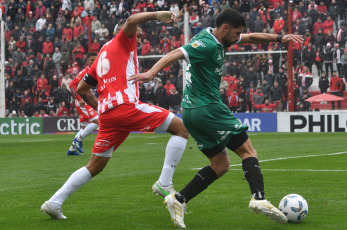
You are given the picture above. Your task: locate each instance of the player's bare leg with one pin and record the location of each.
(173, 153)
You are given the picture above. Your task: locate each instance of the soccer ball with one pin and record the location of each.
(294, 207)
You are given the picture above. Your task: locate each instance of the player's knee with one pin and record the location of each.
(177, 128)
(183, 132)
(94, 170)
(221, 167)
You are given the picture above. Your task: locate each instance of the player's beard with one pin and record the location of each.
(227, 42)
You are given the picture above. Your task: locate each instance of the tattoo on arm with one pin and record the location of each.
(90, 99)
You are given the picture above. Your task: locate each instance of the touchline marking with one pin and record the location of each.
(285, 158)
(300, 170)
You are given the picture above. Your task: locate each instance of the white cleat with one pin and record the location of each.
(265, 207)
(176, 210)
(163, 190)
(55, 212)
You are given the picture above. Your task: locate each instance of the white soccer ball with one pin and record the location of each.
(294, 207)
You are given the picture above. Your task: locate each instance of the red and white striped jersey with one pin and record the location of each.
(73, 85)
(115, 63)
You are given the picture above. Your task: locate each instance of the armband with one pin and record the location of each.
(279, 38)
(90, 80)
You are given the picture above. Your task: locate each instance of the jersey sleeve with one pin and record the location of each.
(196, 51)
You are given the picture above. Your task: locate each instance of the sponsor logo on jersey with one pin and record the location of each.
(224, 134)
(218, 71)
(219, 57)
(102, 143)
(198, 43)
(110, 80)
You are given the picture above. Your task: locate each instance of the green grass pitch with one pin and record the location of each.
(34, 167)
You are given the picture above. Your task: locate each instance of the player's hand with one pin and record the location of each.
(166, 16)
(292, 37)
(141, 77)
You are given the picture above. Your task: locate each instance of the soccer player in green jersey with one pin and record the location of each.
(208, 120)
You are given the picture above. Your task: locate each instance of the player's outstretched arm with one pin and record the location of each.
(165, 61)
(264, 38)
(87, 95)
(130, 26)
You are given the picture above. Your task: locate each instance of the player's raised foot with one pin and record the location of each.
(163, 190)
(52, 210)
(72, 153)
(176, 210)
(265, 207)
(78, 145)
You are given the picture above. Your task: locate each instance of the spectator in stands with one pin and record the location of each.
(50, 32)
(65, 96)
(265, 89)
(305, 105)
(328, 25)
(279, 24)
(323, 83)
(233, 100)
(336, 88)
(169, 87)
(28, 108)
(266, 107)
(305, 79)
(48, 66)
(344, 64)
(337, 56)
(47, 47)
(308, 56)
(276, 95)
(41, 83)
(318, 60)
(161, 96)
(330, 38)
(270, 78)
(175, 101)
(56, 60)
(249, 96)
(51, 106)
(18, 80)
(39, 105)
(44, 96)
(328, 59)
(78, 52)
(258, 98)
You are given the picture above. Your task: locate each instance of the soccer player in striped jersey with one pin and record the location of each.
(89, 119)
(121, 112)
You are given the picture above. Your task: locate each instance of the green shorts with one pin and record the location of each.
(211, 125)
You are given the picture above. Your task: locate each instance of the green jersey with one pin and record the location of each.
(205, 55)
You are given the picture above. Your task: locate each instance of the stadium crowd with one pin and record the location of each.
(47, 43)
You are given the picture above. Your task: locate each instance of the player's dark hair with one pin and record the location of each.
(91, 53)
(230, 17)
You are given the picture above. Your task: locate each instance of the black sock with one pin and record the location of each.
(251, 170)
(200, 182)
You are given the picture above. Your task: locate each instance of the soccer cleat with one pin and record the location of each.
(163, 190)
(71, 153)
(176, 210)
(78, 145)
(55, 212)
(265, 207)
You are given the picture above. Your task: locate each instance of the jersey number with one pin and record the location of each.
(103, 65)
